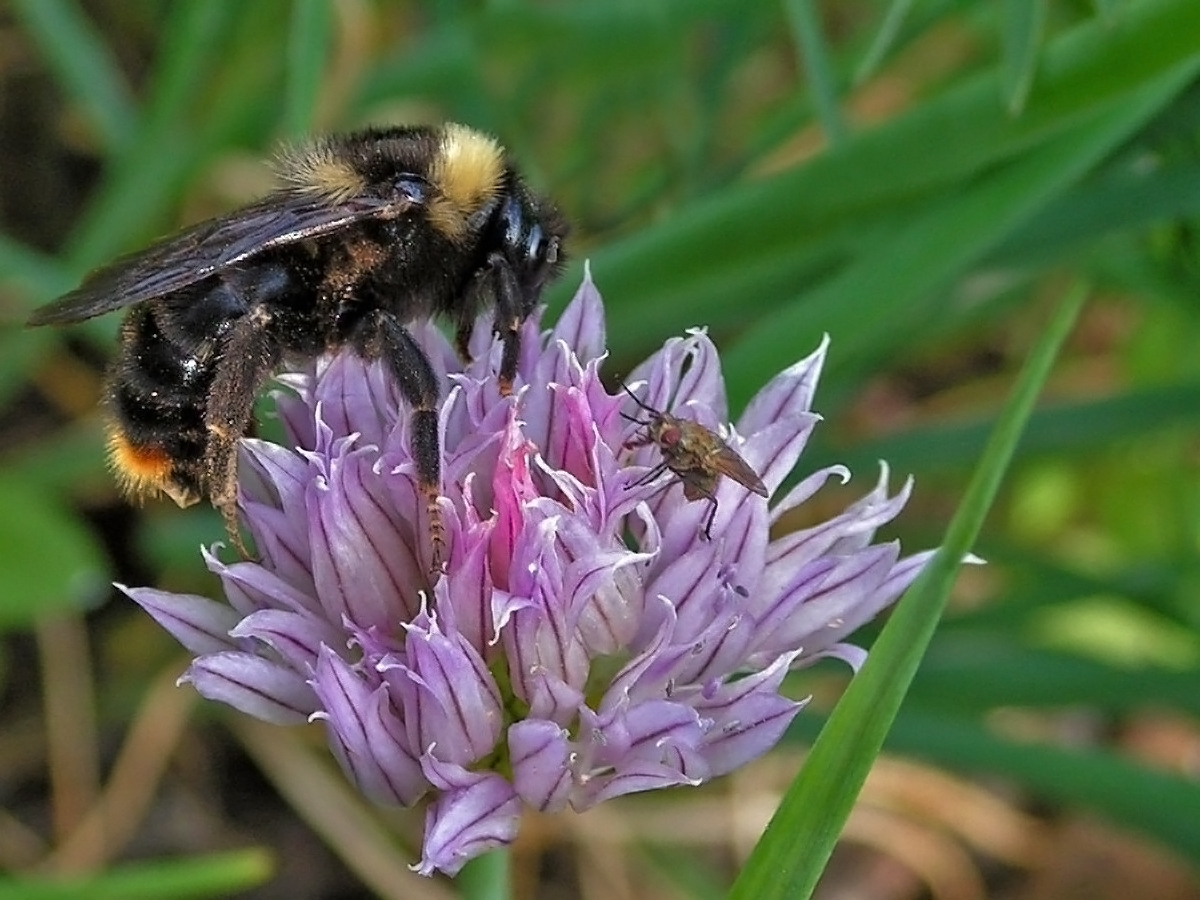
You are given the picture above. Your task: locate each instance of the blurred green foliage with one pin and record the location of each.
(982, 158)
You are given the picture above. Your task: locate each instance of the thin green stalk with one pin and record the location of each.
(790, 857)
(487, 877)
(814, 56)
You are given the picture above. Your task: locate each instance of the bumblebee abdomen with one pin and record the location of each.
(156, 395)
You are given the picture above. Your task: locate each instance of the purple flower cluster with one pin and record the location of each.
(585, 640)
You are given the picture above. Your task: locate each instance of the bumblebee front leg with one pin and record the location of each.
(509, 318)
(462, 339)
(419, 386)
(249, 354)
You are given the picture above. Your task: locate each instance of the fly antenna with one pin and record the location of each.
(639, 401)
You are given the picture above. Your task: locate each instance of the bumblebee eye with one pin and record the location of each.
(533, 245)
(511, 216)
(410, 188)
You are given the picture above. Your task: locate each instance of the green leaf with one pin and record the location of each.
(1024, 21)
(696, 263)
(968, 670)
(884, 39)
(875, 304)
(790, 856)
(18, 353)
(1108, 10)
(1155, 803)
(193, 38)
(40, 277)
(218, 875)
(814, 55)
(486, 877)
(83, 64)
(49, 559)
(309, 39)
(1060, 428)
(1132, 198)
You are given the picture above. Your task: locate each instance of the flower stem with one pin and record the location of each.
(486, 877)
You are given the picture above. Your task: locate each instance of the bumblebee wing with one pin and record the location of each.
(208, 248)
(729, 463)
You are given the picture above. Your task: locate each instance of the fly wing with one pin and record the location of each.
(208, 248)
(729, 463)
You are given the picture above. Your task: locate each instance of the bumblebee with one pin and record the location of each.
(367, 232)
(697, 456)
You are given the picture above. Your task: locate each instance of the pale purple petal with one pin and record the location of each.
(805, 489)
(749, 717)
(787, 394)
(249, 588)
(474, 812)
(296, 637)
(640, 775)
(366, 733)
(361, 567)
(814, 617)
(540, 754)
(449, 698)
(773, 451)
(581, 325)
(200, 624)
(266, 690)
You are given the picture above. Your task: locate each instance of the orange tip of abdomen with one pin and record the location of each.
(140, 470)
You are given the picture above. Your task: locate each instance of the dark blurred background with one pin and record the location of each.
(920, 180)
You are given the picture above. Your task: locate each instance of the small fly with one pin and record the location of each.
(695, 455)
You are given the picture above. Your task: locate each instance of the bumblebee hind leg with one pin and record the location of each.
(249, 354)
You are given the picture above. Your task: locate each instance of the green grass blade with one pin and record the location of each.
(44, 530)
(1108, 10)
(309, 39)
(1159, 804)
(789, 858)
(966, 671)
(84, 66)
(884, 39)
(1024, 21)
(39, 276)
(487, 877)
(1126, 200)
(1062, 428)
(692, 263)
(882, 300)
(193, 38)
(814, 55)
(219, 875)
(1156, 803)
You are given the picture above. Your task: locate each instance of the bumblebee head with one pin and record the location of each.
(531, 238)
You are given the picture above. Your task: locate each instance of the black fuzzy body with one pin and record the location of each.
(375, 230)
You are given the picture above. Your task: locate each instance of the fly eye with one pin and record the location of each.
(669, 437)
